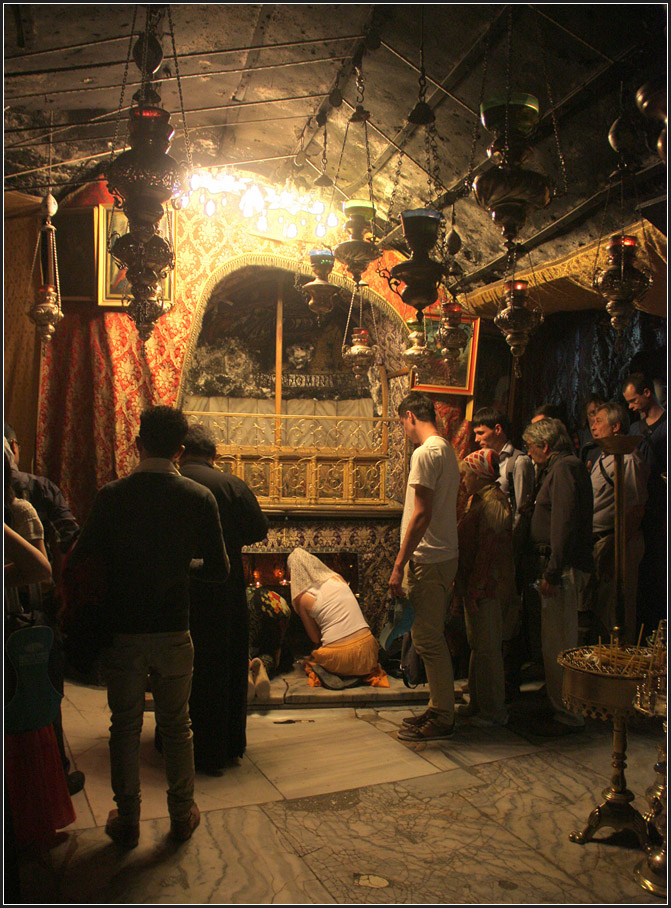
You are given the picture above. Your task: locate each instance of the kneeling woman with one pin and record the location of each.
(331, 616)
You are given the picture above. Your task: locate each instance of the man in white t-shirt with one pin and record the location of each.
(427, 561)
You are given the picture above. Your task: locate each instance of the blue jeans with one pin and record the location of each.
(168, 661)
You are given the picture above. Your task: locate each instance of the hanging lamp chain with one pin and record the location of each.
(324, 160)
(117, 200)
(187, 143)
(508, 86)
(468, 183)
(391, 211)
(548, 89)
(349, 317)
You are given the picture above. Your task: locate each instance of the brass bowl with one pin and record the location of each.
(595, 692)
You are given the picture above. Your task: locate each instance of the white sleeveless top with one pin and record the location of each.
(336, 611)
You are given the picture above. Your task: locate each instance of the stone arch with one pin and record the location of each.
(268, 260)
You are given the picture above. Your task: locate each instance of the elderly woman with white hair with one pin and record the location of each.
(332, 618)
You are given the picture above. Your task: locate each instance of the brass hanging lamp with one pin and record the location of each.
(142, 180)
(621, 282)
(359, 251)
(46, 312)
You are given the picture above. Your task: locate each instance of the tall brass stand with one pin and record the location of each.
(650, 872)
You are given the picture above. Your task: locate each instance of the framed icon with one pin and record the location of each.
(113, 285)
(436, 379)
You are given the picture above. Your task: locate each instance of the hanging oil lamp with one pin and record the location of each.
(141, 181)
(508, 190)
(358, 252)
(420, 274)
(360, 356)
(322, 294)
(46, 313)
(451, 336)
(621, 283)
(517, 319)
(417, 354)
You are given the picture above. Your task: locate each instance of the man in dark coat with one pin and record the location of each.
(561, 535)
(220, 630)
(144, 534)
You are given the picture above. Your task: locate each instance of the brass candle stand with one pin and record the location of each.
(650, 872)
(601, 681)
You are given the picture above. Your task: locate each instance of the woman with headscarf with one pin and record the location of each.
(332, 618)
(485, 583)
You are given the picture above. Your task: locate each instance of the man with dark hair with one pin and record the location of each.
(143, 532)
(60, 531)
(516, 469)
(561, 535)
(428, 558)
(639, 392)
(220, 623)
(611, 419)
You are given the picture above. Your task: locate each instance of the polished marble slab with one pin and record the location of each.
(419, 849)
(309, 816)
(236, 857)
(320, 753)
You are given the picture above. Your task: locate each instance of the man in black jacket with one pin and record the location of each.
(143, 532)
(220, 629)
(561, 535)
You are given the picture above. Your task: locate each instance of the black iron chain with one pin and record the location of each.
(123, 85)
(508, 85)
(476, 128)
(397, 176)
(560, 154)
(187, 143)
(422, 72)
(324, 161)
(369, 176)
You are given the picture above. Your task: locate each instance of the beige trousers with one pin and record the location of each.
(168, 660)
(428, 588)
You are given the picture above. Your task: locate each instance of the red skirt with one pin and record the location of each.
(38, 792)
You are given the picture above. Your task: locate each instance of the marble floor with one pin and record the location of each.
(329, 807)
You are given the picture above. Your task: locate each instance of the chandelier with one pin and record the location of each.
(143, 179)
(45, 312)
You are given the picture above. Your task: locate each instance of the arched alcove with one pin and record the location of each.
(267, 377)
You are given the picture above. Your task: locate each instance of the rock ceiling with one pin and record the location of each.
(257, 81)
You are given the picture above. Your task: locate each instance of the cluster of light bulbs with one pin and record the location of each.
(272, 210)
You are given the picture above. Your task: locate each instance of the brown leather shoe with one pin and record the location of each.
(183, 829)
(121, 832)
(415, 721)
(429, 730)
